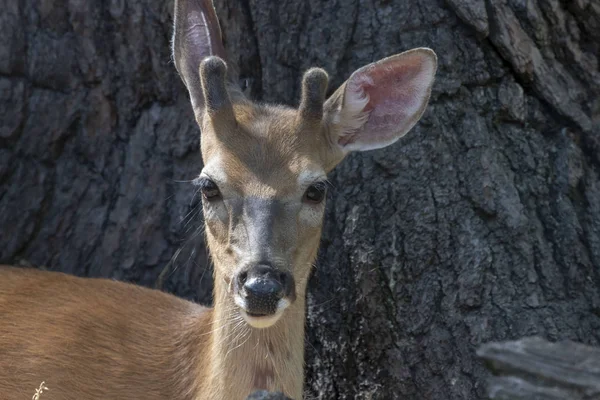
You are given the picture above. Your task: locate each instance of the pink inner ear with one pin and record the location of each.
(397, 89)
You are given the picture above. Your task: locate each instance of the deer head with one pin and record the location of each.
(265, 167)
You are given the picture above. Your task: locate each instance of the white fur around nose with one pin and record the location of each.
(261, 322)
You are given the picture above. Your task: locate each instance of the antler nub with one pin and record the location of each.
(314, 88)
(213, 72)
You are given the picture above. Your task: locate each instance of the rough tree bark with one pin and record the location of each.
(482, 224)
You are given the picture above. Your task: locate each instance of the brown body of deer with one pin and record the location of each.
(263, 186)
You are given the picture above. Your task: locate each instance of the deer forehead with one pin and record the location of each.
(269, 154)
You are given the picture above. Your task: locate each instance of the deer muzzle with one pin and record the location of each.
(263, 292)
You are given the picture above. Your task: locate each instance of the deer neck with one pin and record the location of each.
(245, 359)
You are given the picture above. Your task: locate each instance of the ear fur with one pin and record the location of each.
(196, 35)
(381, 102)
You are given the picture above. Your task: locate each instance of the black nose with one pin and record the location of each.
(262, 286)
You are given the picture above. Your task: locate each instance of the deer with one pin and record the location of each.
(263, 185)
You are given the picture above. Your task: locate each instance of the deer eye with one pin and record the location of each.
(210, 190)
(315, 193)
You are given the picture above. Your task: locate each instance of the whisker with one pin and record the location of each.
(183, 181)
(194, 212)
(248, 334)
(194, 196)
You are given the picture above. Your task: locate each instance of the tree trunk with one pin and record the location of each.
(482, 224)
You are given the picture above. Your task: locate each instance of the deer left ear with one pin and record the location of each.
(381, 102)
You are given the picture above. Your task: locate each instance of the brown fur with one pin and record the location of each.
(102, 339)
(96, 338)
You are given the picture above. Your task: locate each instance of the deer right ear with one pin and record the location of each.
(381, 102)
(196, 36)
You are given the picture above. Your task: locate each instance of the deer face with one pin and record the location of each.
(264, 177)
(264, 193)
